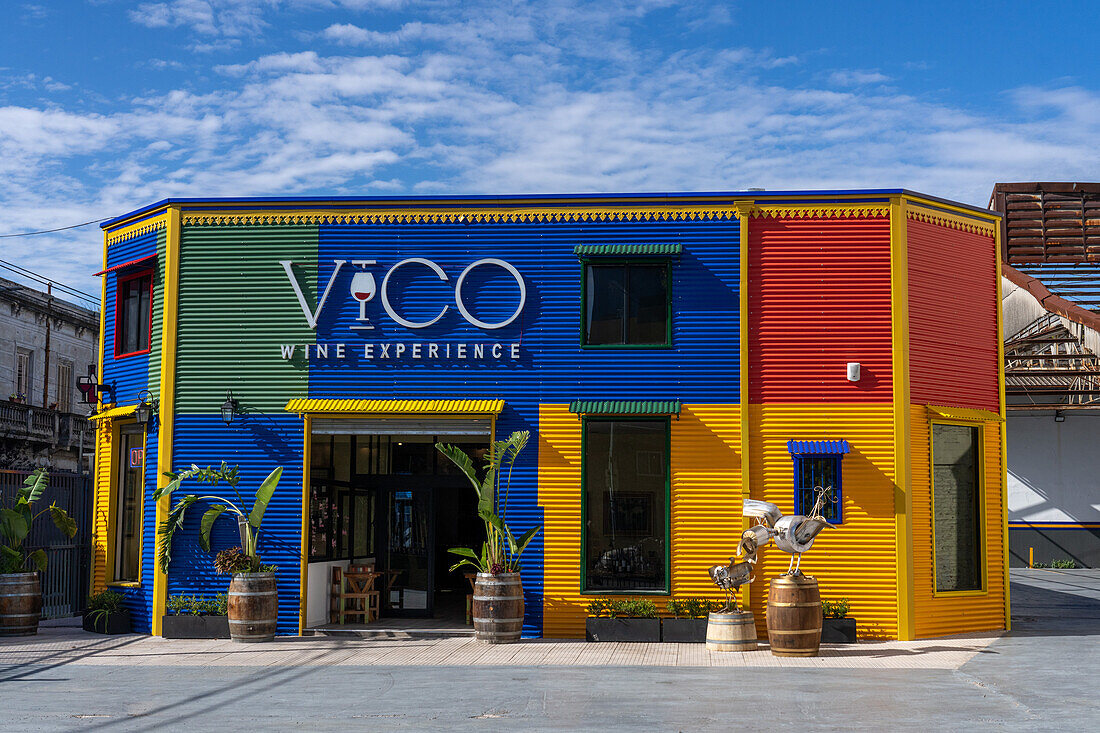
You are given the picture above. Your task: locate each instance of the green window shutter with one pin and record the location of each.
(628, 250)
(625, 407)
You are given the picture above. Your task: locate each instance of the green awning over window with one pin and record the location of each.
(625, 407)
(628, 250)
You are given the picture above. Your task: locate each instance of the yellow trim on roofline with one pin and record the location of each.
(944, 206)
(314, 406)
(965, 413)
(813, 211)
(247, 217)
(951, 220)
(136, 230)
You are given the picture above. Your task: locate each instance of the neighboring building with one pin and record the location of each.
(46, 344)
(1051, 295)
(671, 355)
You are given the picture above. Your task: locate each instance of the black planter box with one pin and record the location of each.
(112, 623)
(189, 626)
(684, 630)
(838, 630)
(622, 629)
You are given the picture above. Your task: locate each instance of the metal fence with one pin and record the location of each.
(65, 581)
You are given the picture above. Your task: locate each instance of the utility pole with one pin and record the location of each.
(46, 362)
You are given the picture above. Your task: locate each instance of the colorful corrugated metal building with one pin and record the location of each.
(671, 355)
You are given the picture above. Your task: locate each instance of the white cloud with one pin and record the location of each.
(856, 78)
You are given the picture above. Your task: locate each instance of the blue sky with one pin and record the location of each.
(107, 105)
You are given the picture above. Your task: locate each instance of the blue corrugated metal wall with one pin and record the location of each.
(257, 443)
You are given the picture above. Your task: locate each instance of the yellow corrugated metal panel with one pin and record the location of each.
(965, 413)
(858, 559)
(101, 505)
(939, 615)
(114, 412)
(405, 407)
(706, 506)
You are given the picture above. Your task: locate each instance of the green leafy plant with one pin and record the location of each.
(622, 608)
(501, 551)
(104, 604)
(1057, 564)
(198, 606)
(248, 523)
(835, 609)
(693, 607)
(17, 519)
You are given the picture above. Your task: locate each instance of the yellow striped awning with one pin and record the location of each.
(398, 407)
(965, 413)
(114, 412)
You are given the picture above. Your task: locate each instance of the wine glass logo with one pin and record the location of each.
(363, 288)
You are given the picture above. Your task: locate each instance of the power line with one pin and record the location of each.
(48, 231)
(46, 281)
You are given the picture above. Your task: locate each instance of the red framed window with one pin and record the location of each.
(134, 313)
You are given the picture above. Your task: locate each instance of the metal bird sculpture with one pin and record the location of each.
(731, 577)
(793, 534)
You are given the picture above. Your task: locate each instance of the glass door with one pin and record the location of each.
(410, 551)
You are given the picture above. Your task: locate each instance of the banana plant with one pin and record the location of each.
(248, 523)
(17, 519)
(501, 551)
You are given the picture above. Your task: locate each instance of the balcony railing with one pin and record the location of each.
(39, 425)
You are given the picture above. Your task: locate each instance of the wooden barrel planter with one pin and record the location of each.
(731, 632)
(253, 607)
(20, 604)
(794, 616)
(498, 608)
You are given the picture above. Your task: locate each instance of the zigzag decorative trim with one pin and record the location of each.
(408, 216)
(136, 230)
(818, 212)
(949, 220)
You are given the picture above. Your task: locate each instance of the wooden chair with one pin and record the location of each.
(353, 594)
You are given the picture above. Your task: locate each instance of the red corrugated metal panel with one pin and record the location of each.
(952, 317)
(819, 297)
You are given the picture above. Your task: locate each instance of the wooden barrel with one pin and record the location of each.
(20, 604)
(731, 632)
(498, 608)
(794, 616)
(253, 607)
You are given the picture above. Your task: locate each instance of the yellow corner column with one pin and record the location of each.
(1004, 424)
(169, 332)
(903, 475)
(102, 444)
(744, 215)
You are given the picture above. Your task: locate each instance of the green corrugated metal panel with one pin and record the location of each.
(158, 316)
(234, 315)
(625, 407)
(628, 250)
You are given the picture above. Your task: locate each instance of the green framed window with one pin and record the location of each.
(956, 507)
(626, 303)
(625, 505)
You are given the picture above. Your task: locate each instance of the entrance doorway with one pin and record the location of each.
(394, 502)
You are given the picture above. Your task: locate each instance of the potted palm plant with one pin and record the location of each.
(253, 598)
(622, 619)
(498, 590)
(20, 587)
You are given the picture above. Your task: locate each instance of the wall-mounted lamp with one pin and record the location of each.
(147, 408)
(1059, 416)
(853, 371)
(229, 408)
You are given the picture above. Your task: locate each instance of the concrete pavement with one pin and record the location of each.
(1041, 676)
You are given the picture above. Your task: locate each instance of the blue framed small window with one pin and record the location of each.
(819, 464)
